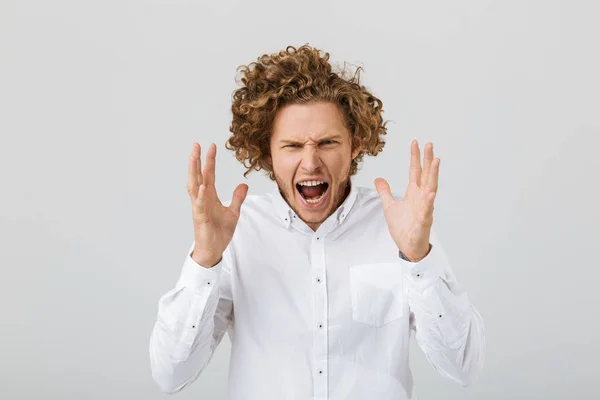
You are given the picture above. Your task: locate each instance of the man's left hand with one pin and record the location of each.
(410, 219)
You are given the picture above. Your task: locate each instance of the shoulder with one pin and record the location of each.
(257, 209)
(254, 203)
(369, 197)
(257, 201)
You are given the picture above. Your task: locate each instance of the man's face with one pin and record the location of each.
(311, 153)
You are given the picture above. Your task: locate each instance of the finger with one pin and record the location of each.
(209, 168)
(193, 182)
(414, 174)
(432, 179)
(239, 195)
(426, 216)
(383, 188)
(201, 205)
(198, 155)
(427, 159)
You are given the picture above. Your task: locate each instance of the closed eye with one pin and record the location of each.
(323, 143)
(328, 142)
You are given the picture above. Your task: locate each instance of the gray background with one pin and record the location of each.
(100, 103)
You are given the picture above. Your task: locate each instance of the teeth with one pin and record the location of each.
(310, 183)
(315, 201)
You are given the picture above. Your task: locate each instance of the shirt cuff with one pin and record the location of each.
(198, 277)
(424, 273)
(437, 307)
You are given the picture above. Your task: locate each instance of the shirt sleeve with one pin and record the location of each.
(447, 326)
(192, 319)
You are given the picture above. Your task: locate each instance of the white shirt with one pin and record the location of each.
(316, 315)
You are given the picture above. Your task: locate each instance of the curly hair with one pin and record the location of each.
(299, 76)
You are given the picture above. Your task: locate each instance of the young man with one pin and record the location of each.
(319, 283)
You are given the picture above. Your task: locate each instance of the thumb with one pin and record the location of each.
(239, 195)
(383, 188)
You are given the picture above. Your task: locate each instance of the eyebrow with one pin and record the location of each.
(323, 139)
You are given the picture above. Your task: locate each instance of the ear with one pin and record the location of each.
(355, 152)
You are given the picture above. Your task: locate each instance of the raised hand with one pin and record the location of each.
(410, 219)
(214, 223)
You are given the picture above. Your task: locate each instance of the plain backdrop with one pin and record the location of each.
(100, 102)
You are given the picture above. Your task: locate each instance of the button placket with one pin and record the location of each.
(320, 315)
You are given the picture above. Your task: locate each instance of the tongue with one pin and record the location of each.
(310, 192)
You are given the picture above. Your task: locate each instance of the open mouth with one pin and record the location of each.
(313, 192)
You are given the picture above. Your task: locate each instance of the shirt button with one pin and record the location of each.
(318, 238)
(321, 325)
(208, 283)
(318, 279)
(320, 371)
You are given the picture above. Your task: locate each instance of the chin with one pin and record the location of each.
(312, 198)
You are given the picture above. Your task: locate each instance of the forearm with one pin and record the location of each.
(177, 357)
(450, 332)
(448, 327)
(192, 319)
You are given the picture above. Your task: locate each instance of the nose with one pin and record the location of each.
(311, 160)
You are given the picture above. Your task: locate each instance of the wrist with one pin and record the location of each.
(414, 256)
(204, 260)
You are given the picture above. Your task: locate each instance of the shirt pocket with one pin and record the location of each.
(377, 293)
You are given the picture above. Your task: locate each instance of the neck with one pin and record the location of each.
(315, 225)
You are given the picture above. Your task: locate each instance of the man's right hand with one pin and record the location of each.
(214, 224)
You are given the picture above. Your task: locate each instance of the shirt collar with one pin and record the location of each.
(285, 213)
(281, 207)
(346, 206)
